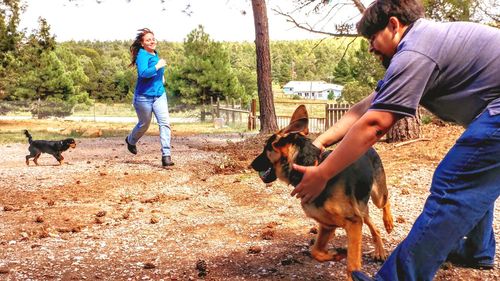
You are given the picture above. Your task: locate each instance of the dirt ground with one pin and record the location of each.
(110, 215)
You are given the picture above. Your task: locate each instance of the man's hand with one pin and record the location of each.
(161, 63)
(319, 145)
(312, 184)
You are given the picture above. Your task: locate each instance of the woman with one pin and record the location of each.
(149, 96)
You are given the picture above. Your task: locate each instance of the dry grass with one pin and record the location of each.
(12, 131)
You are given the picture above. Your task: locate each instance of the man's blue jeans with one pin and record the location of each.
(458, 214)
(144, 107)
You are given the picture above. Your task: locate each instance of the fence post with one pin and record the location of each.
(202, 117)
(327, 116)
(38, 109)
(217, 112)
(227, 112)
(240, 107)
(233, 114)
(254, 114)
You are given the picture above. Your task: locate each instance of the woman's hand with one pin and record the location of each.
(312, 184)
(161, 63)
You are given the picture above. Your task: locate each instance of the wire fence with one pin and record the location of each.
(232, 113)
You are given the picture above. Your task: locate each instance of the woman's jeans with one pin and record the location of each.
(144, 107)
(458, 214)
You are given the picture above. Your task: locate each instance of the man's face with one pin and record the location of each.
(383, 44)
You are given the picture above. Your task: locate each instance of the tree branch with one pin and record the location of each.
(359, 5)
(307, 27)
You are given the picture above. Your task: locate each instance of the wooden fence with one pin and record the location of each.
(316, 125)
(235, 112)
(232, 112)
(333, 113)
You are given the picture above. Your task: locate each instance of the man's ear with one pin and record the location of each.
(395, 27)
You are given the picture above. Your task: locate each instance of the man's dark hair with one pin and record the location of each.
(376, 16)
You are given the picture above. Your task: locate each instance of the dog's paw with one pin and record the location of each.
(323, 256)
(379, 254)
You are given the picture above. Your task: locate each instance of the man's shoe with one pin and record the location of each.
(131, 148)
(459, 261)
(360, 276)
(166, 161)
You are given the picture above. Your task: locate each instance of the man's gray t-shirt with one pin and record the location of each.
(452, 69)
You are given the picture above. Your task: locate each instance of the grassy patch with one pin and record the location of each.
(13, 131)
(204, 128)
(102, 109)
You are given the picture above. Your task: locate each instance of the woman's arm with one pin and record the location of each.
(143, 68)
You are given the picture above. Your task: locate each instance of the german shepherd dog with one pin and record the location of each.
(344, 201)
(55, 148)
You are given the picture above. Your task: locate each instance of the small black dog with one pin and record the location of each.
(55, 148)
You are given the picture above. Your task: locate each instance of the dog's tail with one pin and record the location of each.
(380, 193)
(28, 135)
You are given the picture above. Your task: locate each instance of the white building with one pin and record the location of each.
(312, 89)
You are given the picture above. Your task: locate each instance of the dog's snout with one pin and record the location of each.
(268, 175)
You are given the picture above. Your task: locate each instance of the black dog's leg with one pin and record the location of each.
(33, 153)
(36, 158)
(59, 158)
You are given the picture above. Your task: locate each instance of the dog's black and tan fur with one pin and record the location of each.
(55, 148)
(344, 201)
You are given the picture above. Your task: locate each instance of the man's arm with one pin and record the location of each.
(363, 134)
(336, 132)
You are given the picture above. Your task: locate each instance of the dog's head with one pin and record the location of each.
(289, 145)
(70, 142)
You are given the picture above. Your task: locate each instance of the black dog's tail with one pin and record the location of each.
(28, 135)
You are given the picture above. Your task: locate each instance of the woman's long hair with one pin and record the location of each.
(136, 45)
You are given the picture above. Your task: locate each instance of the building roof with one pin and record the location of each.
(312, 86)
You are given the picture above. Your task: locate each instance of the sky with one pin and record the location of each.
(223, 20)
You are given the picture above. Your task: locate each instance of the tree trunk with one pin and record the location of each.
(405, 129)
(266, 101)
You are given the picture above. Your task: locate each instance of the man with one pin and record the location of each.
(452, 69)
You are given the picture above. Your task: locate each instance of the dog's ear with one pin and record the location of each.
(299, 122)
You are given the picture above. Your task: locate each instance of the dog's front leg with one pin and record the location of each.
(319, 251)
(354, 235)
(379, 254)
(60, 158)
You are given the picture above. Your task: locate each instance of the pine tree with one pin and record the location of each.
(206, 71)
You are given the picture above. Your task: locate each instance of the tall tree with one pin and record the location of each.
(359, 72)
(266, 99)
(206, 71)
(10, 38)
(44, 76)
